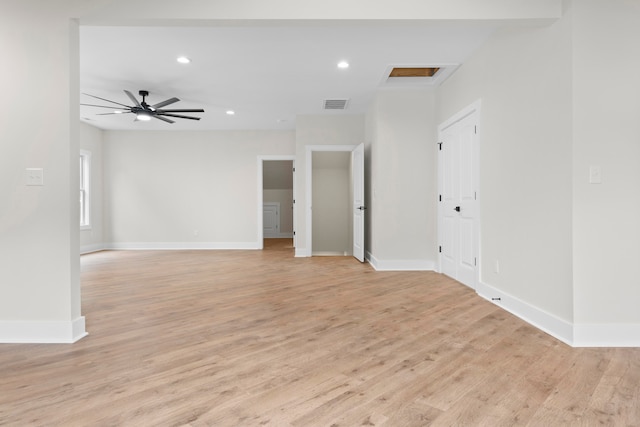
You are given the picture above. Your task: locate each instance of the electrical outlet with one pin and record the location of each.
(34, 176)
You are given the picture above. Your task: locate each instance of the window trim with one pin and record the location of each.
(85, 190)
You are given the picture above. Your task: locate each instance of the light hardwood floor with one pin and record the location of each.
(250, 338)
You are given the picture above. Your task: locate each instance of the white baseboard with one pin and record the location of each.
(52, 332)
(329, 253)
(182, 245)
(554, 326)
(606, 335)
(280, 236)
(302, 253)
(400, 264)
(574, 334)
(87, 249)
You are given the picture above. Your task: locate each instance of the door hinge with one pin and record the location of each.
(475, 195)
(294, 233)
(439, 248)
(475, 261)
(294, 201)
(294, 169)
(440, 146)
(440, 197)
(475, 129)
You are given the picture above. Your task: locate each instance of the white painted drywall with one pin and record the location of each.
(523, 78)
(184, 189)
(606, 216)
(91, 140)
(402, 192)
(39, 232)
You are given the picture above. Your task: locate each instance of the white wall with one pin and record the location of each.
(567, 248)
(402, 190)
(606, 225)
(39, 232)
(523, 79)
(92, 239)
(185, 189)
(319, 130)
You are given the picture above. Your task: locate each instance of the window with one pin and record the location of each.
(85, 190)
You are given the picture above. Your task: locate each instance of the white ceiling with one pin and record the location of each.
(266, 74)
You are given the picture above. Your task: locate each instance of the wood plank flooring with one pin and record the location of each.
(255, 338)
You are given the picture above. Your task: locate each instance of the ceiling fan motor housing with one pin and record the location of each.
(145, 106)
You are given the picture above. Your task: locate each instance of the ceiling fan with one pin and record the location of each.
(144, 111)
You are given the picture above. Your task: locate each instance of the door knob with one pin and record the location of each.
(457, 209)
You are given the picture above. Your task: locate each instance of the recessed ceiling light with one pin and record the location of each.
(230, 112)
(183, 60)
(343, 64)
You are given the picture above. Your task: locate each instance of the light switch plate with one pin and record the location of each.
(595, 175)
(34, 176)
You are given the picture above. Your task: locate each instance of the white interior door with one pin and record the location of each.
(449, 196)
(271, 219)
(458, 212)
(357, 178)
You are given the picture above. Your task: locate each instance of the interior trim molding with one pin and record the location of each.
(302, 253)
(606, 335)
(330, 253)
(96, 247)
(181, 245)
(546, 322)
(400, 264)
(43, 332)
(281, 235)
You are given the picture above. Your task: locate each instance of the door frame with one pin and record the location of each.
(308, 186)
(473, 108)
(261, 160)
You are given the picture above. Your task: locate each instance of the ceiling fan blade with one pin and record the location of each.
(132, 98)
(178, 116)
(106, 114)
(163, 119)
(104, 106)
(103, 99)
(184, 110)
(166, 102)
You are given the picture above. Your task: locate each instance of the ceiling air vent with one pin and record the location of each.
(335, 104)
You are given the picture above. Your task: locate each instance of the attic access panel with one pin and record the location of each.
(413, 71)
(417, 75)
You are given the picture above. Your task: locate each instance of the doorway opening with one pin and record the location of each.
(276, 219)
(331, 224)
(335, 207)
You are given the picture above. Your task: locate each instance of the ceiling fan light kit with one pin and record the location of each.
(144, 111)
